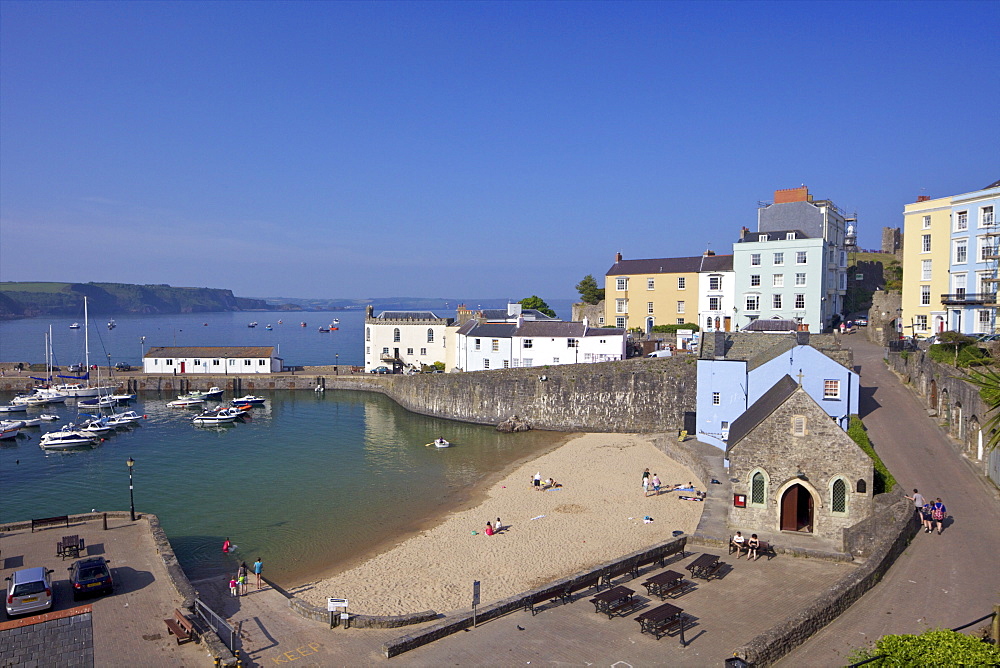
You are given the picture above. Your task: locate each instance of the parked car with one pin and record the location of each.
(123, 366)
(861, 322)
(381, 369)
(90, 576)
(29, 590)
(76, 368)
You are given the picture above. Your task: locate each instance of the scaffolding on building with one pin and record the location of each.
(991, 255)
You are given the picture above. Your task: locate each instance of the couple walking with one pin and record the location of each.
(648, 482)
(931, 513)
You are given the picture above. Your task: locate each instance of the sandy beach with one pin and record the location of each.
(596, 515)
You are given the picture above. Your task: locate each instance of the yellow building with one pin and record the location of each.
(639, 294)
(926, 262)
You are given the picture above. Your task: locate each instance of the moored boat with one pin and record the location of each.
(185, 402)
(75, 325)
(66, 439)
(223, 416)
(248, 399)
(14, 408)
(10, 429)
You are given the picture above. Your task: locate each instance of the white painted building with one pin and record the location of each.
(404, 340)
(176, 360)
(491, 345)
(716, 293)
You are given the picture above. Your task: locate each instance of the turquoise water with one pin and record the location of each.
(309, 483)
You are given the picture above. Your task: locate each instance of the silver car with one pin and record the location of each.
(29, 590)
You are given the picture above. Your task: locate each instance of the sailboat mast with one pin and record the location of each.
(86, 334)
(48, 353)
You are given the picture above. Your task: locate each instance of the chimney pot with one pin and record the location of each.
(618, 257)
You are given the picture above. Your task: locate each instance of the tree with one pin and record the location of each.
(988, 381)
(538, 304)
(589, 292)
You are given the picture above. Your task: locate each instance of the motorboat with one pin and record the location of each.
(122, 398)
(268, 326)
(96, 402)
(112, 324)
(248, 399)
(129, 416)
(30, 422)
(14, 408)
(96, 425)
(440, 443)
(213, 393)
(67, 438)
(81, 390)
(185, 402)
(75, 325)
(10, 429)
(40, 397)
(323, 329)
(49, 417)
(252, 324)
(223, 416)
(302, 324)
(336, 321)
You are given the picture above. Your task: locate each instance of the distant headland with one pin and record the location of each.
(29, 299)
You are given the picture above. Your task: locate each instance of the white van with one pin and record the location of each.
(661, 353)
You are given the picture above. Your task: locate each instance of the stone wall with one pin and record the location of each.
(882, 316)
(768, 647)
(581, 581)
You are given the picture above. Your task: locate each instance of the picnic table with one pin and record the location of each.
(616, 600)
(662, 620)
(69, 546)
(705, 566)
(664, 584)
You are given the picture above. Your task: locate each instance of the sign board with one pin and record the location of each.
(475, 593)
(334, 603)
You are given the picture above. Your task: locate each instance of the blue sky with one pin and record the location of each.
(465, 150)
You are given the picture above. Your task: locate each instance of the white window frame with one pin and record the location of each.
(682, 283)
(961, 255)
(986, 216)
(754, 259)
(800, 279)
(716, 398)
(925, 295)
(801, 257)
(926, 223)
(920, 323)
(621, 305)
(961, 221)
(752, 303)
(925, 243)
(800, 301)
(779, 259)
(715, 283)
(680, 307)
(650, 283)
(831, 388)
(925, 270)
(619, 323)
(778, 280)
(621, 284)
(776, 301)
(649, 307)
(754, 280)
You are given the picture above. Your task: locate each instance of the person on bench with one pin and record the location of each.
(752, 545)
(738, 543)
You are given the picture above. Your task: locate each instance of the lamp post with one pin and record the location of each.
(131, 499)
(336, 364)
(142, 350)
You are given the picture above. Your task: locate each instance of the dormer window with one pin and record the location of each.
(790, 235)
(764, 237)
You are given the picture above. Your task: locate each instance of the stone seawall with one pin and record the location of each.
(638, 395)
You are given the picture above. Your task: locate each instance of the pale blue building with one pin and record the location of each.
(972, 270)
(736, 368)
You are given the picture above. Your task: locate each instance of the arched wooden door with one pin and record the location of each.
(797, 509)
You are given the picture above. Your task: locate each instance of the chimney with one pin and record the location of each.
(800, 194)
(802, 336)
(709, 252)
(923, 198)
(743, 232)
(618, 258)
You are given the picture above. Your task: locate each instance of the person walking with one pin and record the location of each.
(241, 578)
(938, 513)
(258, 568)
(645, 482)
(925, 517)
(918, 500)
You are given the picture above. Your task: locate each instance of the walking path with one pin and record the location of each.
(939, 581)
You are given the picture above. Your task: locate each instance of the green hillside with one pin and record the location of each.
(23, 299)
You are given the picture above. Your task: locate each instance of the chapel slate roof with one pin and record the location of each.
(496, 330)
(754, 348)
(672, 265)
(760, 410)
(210, 351)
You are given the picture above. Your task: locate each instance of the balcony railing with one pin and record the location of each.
(969, 298)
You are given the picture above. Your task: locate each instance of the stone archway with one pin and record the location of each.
(944, 410)
(933, 397)
(959, 428)
(798, 512)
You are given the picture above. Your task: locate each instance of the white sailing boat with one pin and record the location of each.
(84, 389)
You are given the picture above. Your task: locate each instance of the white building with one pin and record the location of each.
(404, 340)
(491, 345)
(716, 293)
(211, 359)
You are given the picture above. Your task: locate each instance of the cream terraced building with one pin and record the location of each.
(926, 255)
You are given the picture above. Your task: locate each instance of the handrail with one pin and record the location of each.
(958, 628)
(217, 623)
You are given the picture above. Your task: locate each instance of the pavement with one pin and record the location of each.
(939, 581)
(724, 619)
(122, 629)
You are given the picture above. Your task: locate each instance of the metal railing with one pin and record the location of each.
(958, 628)
(222, 628)
(969, 298)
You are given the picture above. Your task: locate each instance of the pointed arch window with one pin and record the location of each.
(838, 496)
(758, 488)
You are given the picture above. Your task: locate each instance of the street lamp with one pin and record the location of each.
(131, 499)
(142, 350)
(336, 364)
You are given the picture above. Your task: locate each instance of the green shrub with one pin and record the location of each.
(936, 647)
(883, 480)
(969, 354)
(672, 329)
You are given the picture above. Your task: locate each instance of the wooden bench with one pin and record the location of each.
(565, 595)
(47, 521)
(181, 627)
(766, 549)
(622, 607)
(741, 547)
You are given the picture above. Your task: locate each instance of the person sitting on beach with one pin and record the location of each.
(489, 529)
(752, 546)
(739, 543)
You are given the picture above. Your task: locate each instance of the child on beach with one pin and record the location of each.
(656, 484)
(232, 586)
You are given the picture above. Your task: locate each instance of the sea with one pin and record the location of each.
(310, 482)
